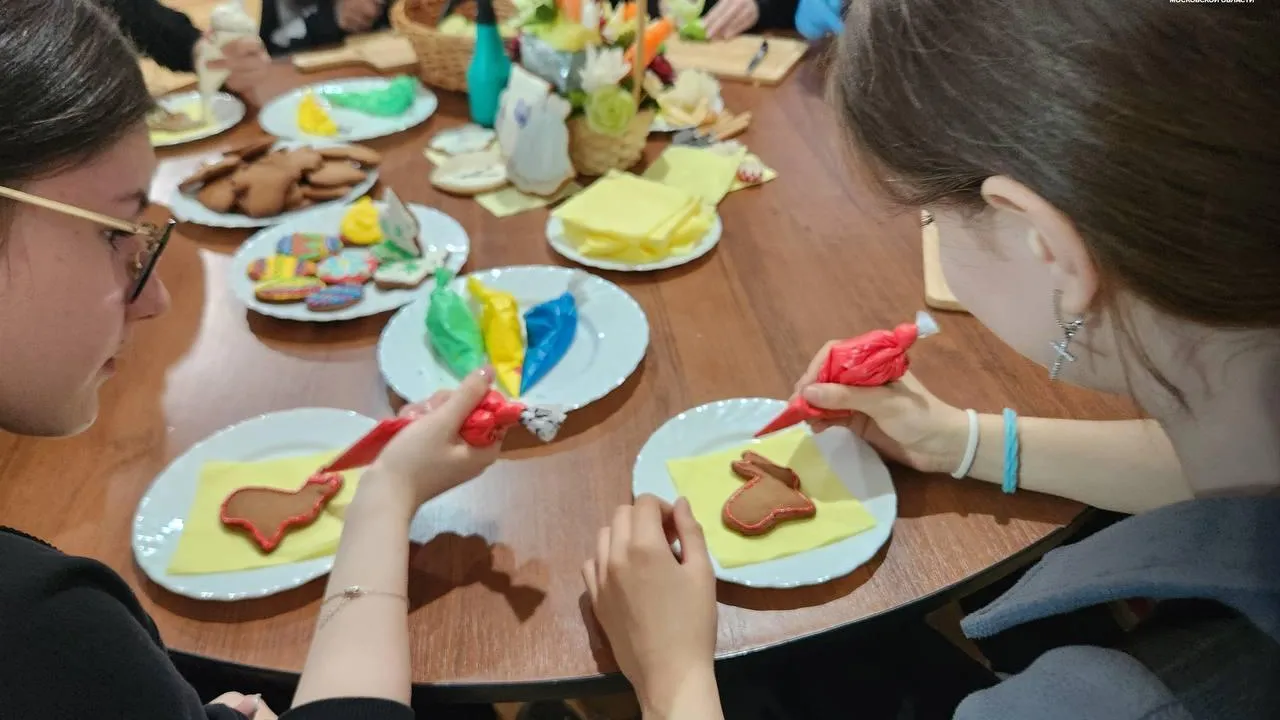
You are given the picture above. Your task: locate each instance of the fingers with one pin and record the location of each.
(621, 532)
(247, 705)
(590, 580)
(815, 366)
(693, 544)
(604, 539)
(829, 396)
(463, 400)
(647, 519)
(734, 18)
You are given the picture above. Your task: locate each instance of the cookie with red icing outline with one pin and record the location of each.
(268, 514)
(770, 497)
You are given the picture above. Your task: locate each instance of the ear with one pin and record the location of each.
(1053, 239)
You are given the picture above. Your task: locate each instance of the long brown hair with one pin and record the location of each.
(70, 87)
(1154, 126)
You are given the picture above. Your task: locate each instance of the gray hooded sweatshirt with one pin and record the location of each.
(1224, 550)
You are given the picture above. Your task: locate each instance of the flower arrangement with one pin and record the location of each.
(588, 50)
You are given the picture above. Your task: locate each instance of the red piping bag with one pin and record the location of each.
(868, 360)
(483, 427)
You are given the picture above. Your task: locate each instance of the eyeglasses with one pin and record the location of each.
(143, 261)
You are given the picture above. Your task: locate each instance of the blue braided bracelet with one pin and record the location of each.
(1010, 484)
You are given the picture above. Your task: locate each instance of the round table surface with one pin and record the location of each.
(497, 604)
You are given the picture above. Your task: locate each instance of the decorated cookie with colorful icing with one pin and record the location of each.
(360, 224)
(335, 297)
(275, 267)
(407, 274)
(287, 290)
(309, 246)
(349, 268)
(399, 226)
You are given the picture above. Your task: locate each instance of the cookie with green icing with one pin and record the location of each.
(409, 274)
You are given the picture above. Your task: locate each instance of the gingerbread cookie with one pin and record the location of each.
(219, 195)
(208, 173)
(275, 267)
(368, 157)
(281, 291)
(267, 514)
(321, 194)
(408, 274)
(772, 495)
(336, 173)
(309, 246)
(263, 189)
(335, 297)
(254, 149)
(352, 267)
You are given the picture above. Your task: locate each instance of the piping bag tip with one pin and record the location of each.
(792, 415)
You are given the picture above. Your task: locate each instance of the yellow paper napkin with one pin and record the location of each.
(768, 175)
(700, 172)
(707, 482)
(208, 546)
(509, 201)
(634, 220)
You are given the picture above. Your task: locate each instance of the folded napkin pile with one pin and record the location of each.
(631, 219)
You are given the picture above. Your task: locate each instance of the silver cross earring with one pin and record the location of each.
(1069, 330)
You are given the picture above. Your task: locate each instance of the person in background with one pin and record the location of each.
(78, 643)
(727, 19)
(817, 19)
(291, 25)
(168, 37)
(1044, 138)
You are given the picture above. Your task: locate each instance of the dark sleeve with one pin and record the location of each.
(163, 34)
(78, 645)
(320, 25)
(350, 709)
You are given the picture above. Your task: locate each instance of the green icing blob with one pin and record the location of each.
(395, 99)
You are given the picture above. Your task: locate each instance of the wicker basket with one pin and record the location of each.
(596, 154)
(442, 59)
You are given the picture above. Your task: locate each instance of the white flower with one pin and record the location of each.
(604, 68)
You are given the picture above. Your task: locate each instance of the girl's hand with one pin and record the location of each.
(247, 60)
(902, 420)
(357, 16)
(728, 19)
(429, 457)
(250, 706)
(658, 610)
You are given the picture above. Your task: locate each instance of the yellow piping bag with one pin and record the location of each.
(503, 337)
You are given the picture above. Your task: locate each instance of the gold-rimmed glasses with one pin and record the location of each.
(143, 261)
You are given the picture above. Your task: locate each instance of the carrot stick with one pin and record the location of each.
(654, 36)
(628, 11)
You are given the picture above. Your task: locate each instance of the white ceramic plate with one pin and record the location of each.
(555, 236)
(613, 335)
(662, 125)
(723, 424)
(438, 231)
(228, 111)
(280, 116)
(187, 209)
(163, 509)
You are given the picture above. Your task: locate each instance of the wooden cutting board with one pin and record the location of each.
(384, 52)
(936, 293)
(729, 59)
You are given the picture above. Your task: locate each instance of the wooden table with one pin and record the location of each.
(497, 604)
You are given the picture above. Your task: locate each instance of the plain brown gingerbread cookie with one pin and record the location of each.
(772, 495)
(360, 154)
(336, 172)
(321, 194)
(208, 173)
(265, 190)
(254, 149)
(219, 195)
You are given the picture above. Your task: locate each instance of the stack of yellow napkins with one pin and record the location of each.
(208, 546)
(629, 219)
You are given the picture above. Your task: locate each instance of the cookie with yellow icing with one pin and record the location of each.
(275, 267)
(287, 290)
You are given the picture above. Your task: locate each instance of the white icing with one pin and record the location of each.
(399, 227)
(411, 272)
(463, 140)
(543, 421)
(227, 22)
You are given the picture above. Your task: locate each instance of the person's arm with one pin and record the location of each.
(361, 644)
(161, 33)
(1122, 465)
(318, 22)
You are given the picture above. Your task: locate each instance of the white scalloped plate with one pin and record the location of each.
(280, 116)
(612, 338)
(187, 209)
(228, 111)
(437, 231)
(726, 423)
(157, 525)
(555, 236)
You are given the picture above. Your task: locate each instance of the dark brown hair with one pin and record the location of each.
(1154, 126)
(70, 87)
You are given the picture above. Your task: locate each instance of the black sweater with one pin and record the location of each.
(77, 644)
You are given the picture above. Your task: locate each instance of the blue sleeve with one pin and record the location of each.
(815, 19)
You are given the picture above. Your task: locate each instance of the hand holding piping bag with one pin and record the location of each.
(500, 328)
(550, 328)
(452, 330)
(871, 359)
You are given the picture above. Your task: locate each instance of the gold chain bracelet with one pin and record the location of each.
(348, 594)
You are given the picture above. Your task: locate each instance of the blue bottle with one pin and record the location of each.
(490, 67)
